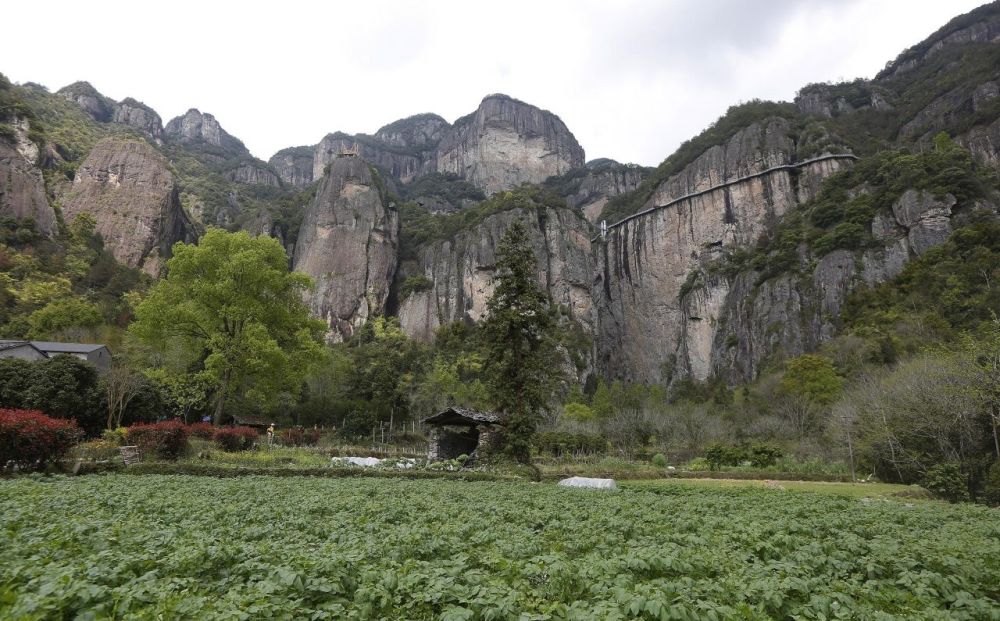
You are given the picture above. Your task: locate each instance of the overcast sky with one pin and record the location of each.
(631, 79)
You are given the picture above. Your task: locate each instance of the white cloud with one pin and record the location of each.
(632, 79)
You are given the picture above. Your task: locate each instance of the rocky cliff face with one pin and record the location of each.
(505, 143)
(252, 173)
(127, 187)
(599, 181)
(643, 329)
(83, 94)
(140, 116)
(454, 275)
(979, 26)
(421, 132)
(401, 164)
(103, 109)
(348, 244)
(830, 101)
(731, 326)
(951, 108)
(404, 148)
(294, 165)
(22, 189)
(197, 127)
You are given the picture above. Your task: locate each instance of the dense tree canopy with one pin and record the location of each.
(230, 310)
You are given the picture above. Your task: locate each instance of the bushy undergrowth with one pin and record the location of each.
(30, 439)
(165, 440)
(558, 443)
(298, 436)
(753, 454)
(233, 439)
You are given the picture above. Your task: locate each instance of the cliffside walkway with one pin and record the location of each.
(725, 184)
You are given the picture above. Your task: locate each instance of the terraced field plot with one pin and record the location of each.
(169, 547)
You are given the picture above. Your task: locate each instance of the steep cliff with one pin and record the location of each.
(981, 25)
(195, 127)
(253, 172)
(732, 326)
(589, 188)
(449, 280)
(99, 107)
(676, 293)
(643, 264)
(294, 165)
(139, 116)
(420, 132)
(348, 244)
(127, 186)
(507, 142)
(501, 145)
(22, 188)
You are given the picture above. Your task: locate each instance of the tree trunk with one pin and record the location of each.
(220, 403)
(996, 440)
(850, 450)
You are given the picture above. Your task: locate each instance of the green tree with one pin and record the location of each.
(61, 387)
(182, 393)
(385, 360)
(518, 334)
(602, 402)
(61, 315)
(812, 377)
(232, 311)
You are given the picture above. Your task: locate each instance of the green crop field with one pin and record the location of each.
(177, 547)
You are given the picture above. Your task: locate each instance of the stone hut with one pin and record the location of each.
(459, 431)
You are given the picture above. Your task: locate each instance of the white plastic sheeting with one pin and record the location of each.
(365, 462)
(373, 462)
(589, 482)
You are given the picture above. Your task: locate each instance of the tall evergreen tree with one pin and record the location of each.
(518, 333)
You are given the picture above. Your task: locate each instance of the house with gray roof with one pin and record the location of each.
(96, 354)
(22, 350)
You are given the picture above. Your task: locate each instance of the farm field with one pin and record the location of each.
(121, 546)
(902, 493)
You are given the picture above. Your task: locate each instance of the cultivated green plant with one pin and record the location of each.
(946, 481)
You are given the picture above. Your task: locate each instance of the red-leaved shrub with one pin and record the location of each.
(205, 431)
(29, 438)
(297, 436)
(165, 440)
(232, 439)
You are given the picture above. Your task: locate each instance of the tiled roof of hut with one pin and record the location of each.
(462, 416)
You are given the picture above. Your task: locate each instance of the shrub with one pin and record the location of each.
(297, 436)
(659, 460)
(232, 439)
(562, 443)
(758, 455)
(114, 437)
(763, 455)
(205, 431)
(62, 387)
(991, 489)
(947, 482)
(166, 440)
(719, 455)
(97, 450)
(29, 438)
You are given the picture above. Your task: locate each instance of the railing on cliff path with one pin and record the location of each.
(795, 165)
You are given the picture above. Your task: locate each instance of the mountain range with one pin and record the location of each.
(743, 245)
